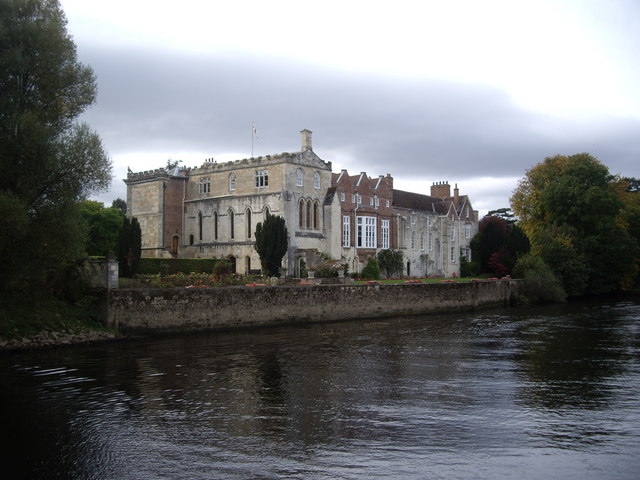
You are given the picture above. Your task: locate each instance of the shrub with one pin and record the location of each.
(391, 262)
(168, 266)
(469, 269)
(371, 270)
(539, 285)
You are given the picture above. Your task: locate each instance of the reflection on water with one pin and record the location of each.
(536, 393)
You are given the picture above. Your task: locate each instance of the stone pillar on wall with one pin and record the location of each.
(101, 274)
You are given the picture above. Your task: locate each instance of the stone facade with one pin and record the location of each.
(212, 211)
(435, 230)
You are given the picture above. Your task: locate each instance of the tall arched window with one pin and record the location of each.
(215, 225)
(266, 212)
(200, 226)
(299, 178)
(301, 213)
(231, 224)
(308, 214)
(316, 180)
(315, 214)
(248, 217)
(232, 182)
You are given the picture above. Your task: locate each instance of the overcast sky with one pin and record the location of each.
(472, 92)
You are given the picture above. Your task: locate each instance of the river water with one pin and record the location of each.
(541, 393)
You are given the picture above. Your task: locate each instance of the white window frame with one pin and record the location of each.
(353, 198)
(387, 203)
(430, 242)
(371, 201)
(299, 178)
(262, 178)
(346, 231)
(232, 182)
(422, 241)
(453, 254)
(367, 232)
(467, 230)
(316, 181)
(452, 232)
(413, 240)
(384, 231)
(342, 196)
(204, 186)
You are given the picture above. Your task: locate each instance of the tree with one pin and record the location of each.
(129, 247)
(504, 213)
(103, 227)
(48, 161)
(571, 210)
(271, 243)
(120, 204)
(390, 262)
(498, 244)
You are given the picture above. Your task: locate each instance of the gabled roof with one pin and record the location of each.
(414, 201)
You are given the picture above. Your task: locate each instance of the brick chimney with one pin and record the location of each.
(456, 196)
(441, 190)
(305, 137)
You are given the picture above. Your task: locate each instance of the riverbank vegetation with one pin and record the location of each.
(582, 222)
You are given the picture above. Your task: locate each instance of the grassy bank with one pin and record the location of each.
(28, 315)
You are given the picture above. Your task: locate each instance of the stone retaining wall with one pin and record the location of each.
(217, 308)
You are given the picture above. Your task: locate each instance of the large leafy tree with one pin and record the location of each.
(103, 227)
(271, 243)
(48, 161)
(571, 209)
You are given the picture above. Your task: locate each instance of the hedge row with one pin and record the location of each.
(167, 266)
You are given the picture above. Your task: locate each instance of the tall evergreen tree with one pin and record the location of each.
(271, 243)
(129, 247)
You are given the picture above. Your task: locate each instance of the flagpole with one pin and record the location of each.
(253, 132)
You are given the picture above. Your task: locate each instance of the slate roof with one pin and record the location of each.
(414, 201)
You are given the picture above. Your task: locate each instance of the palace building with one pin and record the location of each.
(213, 210)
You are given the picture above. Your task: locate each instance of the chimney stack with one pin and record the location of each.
(456, 196)
(441, 190)
(305, 136)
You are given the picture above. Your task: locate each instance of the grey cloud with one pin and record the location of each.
(411, 128)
